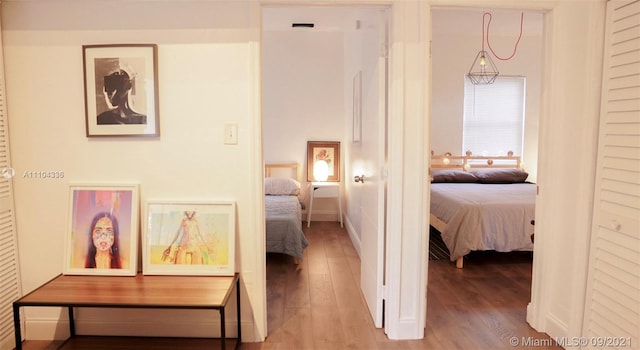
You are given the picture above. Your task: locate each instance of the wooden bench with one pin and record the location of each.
(160, 292)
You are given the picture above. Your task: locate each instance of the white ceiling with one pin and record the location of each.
(343, 18)
(325, 18)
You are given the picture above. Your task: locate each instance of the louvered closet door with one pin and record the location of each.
(9, 279)
(612, 307)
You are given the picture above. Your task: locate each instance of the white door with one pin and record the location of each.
(373, 154)
(9, 276)
(612, 307)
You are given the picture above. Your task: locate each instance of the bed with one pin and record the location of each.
(283, 211)
(482, 203)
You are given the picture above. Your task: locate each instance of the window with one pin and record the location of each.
(493, 121)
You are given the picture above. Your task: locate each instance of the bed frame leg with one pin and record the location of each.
(459, 262)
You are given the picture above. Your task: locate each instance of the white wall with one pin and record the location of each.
(303, 99)
(308, 91)
(45, 106)
(204, 82)
(457, 35)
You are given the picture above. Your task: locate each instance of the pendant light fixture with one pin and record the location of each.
(483, 70)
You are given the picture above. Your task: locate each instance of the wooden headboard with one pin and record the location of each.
(468, 161)
(291, 170)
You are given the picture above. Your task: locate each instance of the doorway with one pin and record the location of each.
(456, 39)
(314, 60)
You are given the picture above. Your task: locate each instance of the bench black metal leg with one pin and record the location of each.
(16, 326)
(222, 333)
(72, 323)
(238, 311)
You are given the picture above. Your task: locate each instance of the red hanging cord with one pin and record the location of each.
(515, 48)
(483, 26)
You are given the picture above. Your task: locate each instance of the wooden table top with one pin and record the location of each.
(198, 292)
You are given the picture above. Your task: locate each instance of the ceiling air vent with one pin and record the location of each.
(302, 25)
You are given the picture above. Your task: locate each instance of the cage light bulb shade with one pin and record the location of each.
(321, 170)
(483, 70)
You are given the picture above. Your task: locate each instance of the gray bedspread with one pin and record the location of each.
(284, 226)
(484, 216)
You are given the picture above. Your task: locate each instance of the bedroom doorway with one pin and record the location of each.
(305, 50)
(456, 39)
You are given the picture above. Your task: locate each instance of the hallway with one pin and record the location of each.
(319, 304)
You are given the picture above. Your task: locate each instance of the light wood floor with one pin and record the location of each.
(318, 304)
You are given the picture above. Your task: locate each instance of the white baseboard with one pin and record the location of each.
(353, 235)
(323, 215)
(50, 329)
(547, 323)
(43, 328)
(554, 327)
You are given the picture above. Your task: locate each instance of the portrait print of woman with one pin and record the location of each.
(121, 90)
(102, 238)
(103, 250)
(118, 100)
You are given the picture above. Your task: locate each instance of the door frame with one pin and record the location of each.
(407, 220)
(543, 313)
(405, 310)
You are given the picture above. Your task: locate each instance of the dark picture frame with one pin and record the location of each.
(121, 90)
(324, 150)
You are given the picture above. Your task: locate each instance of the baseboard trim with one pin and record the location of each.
(324, 215)
(52, 329)
(353, 235)
(554, 327)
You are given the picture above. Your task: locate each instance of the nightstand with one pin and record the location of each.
(324, 190)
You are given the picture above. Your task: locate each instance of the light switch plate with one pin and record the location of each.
(231, 134)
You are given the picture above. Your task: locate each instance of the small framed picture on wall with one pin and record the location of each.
(323, 161)
(121, 90)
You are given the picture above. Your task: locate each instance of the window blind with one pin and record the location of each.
(493, 121)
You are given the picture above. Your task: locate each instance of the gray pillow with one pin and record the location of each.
(451, 175)
(500, 176)
(281, 186)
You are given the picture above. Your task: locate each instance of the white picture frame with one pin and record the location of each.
(189, 238)
(102, 232)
